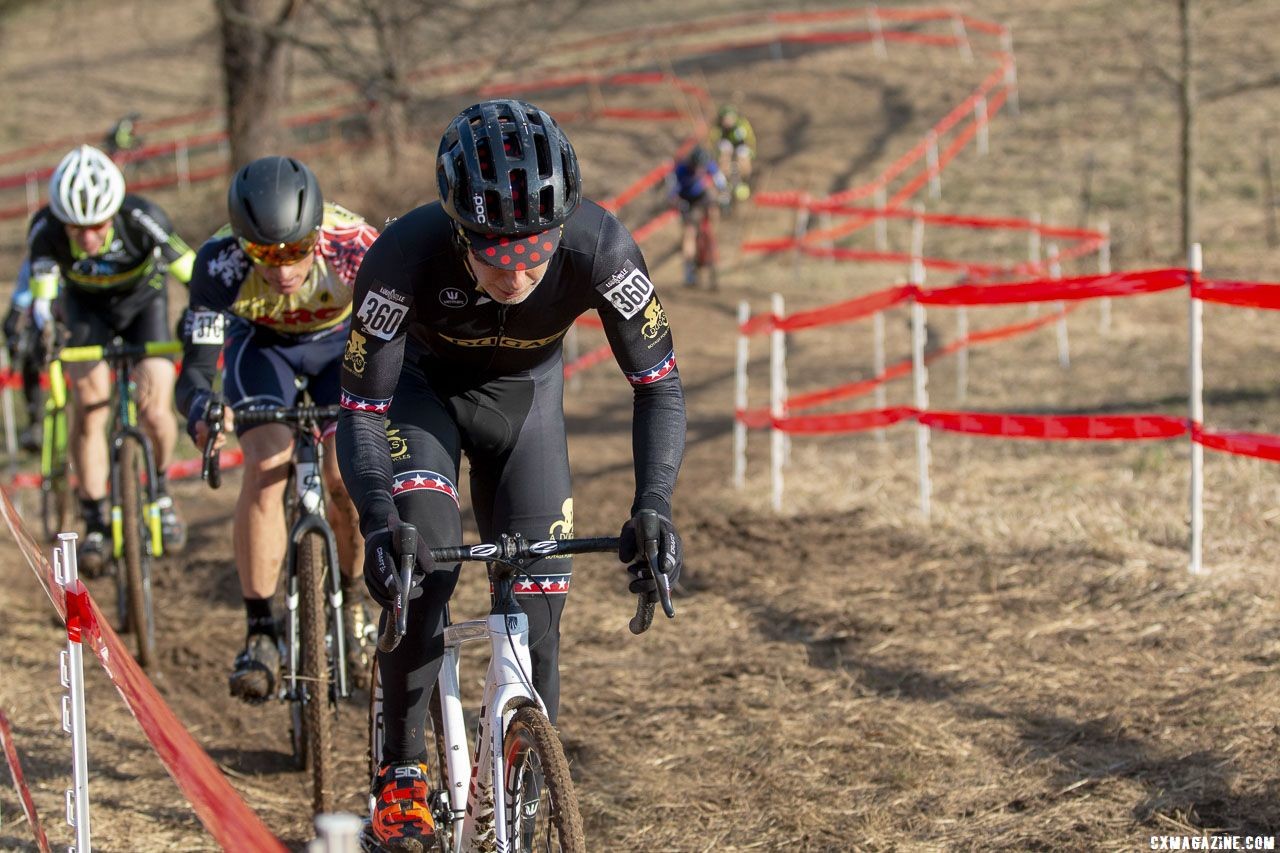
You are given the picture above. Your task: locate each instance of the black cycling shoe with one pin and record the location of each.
(173, 530)
(256, 670)
(31, 438)
(91, 555)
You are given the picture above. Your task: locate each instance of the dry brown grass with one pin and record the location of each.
(1033, 670)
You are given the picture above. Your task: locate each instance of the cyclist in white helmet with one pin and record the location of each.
(112, 250)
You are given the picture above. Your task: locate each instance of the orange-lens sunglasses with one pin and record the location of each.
(280, 254)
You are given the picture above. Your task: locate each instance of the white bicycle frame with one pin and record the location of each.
(475, 793)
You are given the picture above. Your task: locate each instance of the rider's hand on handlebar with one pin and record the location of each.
(670, 555)
(382, 563)
(200, 430)
(41, 312)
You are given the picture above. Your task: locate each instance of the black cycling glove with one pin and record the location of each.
(382, 563)
(670, 555)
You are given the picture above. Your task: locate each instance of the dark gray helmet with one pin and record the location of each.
(274, 200)
(505, 167)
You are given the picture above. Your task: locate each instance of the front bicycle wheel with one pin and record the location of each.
(542, 808)
(136, 534)
(317, 726)
(55, 489)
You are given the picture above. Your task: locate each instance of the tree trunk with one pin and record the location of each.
(254, 62)
(1187, 115)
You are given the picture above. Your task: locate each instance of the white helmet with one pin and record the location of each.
(86, 188)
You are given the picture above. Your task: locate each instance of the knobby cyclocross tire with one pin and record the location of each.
(542, 808)
(55, 507)
(55, 489)
(317, 725)
(707, 253)
(137, 562)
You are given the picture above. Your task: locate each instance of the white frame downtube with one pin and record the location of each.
(475, 781)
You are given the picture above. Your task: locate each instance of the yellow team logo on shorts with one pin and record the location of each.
(563, 529)
(657, 320)
(399, 447)
(354, 358)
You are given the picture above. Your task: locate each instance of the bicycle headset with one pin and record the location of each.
(86, 189)
(275, 200)
(505, 168)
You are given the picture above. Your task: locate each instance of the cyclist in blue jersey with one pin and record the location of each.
(26, 357)
(694, 186)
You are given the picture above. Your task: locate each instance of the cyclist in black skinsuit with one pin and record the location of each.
(456, 347)
(112, 251)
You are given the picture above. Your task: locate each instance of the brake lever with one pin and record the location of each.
(211, 468)
(399, 623)
(648, 533)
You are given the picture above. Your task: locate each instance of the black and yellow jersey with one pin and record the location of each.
(139, 249)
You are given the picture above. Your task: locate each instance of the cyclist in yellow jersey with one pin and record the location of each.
(101, 257)
(736, 143)
(271, 292)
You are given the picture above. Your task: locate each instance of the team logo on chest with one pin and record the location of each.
(452, 297)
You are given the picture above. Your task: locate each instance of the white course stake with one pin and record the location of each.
(962, 355)
(1064, 346)
(740, 397)
(777, 399)
(72, 672)
(962, 37)
(873, 22)
(920, 380)
(1033, 257)
(336, 833)
(917, 234)
(878, 365)
(1195, 264)
(882, 222)
(980, 118)
(1011, 72)
(1104, 267)
(931, 163)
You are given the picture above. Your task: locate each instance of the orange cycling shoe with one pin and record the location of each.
(402, 821)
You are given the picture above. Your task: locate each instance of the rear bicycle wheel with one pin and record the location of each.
(542, 807)
(136, 583)
(707, 252)
(317, 723)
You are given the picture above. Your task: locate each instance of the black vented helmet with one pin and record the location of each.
(505, 167)
(274, 200)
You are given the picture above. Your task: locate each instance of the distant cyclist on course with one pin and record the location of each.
(736, 143)
(113, 251)
(694, 186)
(26, 357)
(456, 348)
(272, 292)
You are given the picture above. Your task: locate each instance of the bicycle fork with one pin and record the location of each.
(507, 688)
(311, 502)
(150, 506)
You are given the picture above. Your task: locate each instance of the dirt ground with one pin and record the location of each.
(1032, 669)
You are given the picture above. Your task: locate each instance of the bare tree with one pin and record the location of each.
(254, 57)
(1186, 128)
